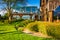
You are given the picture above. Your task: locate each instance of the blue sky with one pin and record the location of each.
(34, 3)
(29, 3)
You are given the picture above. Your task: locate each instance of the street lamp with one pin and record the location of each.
(57, 17)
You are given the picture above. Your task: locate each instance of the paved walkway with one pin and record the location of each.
(38, 34)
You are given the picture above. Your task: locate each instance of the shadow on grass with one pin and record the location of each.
(13, 32)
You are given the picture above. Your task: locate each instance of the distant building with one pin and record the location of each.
(26, 9)
(31, 11)
(47, 8)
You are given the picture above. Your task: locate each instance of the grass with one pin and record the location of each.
(8, 32)
(20, 36)
(7, 28)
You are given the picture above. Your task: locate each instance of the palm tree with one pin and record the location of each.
(11, 3)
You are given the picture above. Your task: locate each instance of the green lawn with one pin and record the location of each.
(8, 32)
(19, 36)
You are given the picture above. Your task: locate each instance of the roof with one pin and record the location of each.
(57, 9)
(27, 9)
(19, 7)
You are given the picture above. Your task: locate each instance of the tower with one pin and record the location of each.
(43, 9)
(47, 7)
(52, 6)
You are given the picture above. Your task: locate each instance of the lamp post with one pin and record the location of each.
(58, 17)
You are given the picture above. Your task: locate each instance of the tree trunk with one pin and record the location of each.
(9, 15)
(9, 11)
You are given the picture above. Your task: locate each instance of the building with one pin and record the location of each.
(26, 10)
(47, 8)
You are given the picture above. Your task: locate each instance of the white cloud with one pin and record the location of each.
(32, 5)
(29, 4)
(3, 12)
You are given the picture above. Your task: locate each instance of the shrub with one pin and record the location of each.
(34, 28)
(20, 24)
(49, 28)
(42, 27)
(6, 21)
(27, 21)
(39, 26)
(54, 31)
(14, 21)
(20, 29)
(23, 23)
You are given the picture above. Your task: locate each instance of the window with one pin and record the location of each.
(28, 9)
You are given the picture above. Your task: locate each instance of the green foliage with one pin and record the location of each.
(20, 29)
(6, 21)
(8, 32)
(23, 23)
(42, 27)
(34, 28)
(20, 24)
(37, 26)
(5, 16)
(54, 30)
(15, 22)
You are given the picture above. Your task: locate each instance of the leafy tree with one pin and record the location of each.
(11, 3)
(5, 16)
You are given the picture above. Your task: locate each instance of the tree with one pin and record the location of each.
(11, 3)
(5, 16)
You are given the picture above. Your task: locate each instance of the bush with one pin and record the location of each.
(34, 28)
(48, 28)
(54, 31)
(42, 27)
(23, 23)
(20, 29)
(6, 21)
(14, 21)
(39, 26)
(20, 24)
